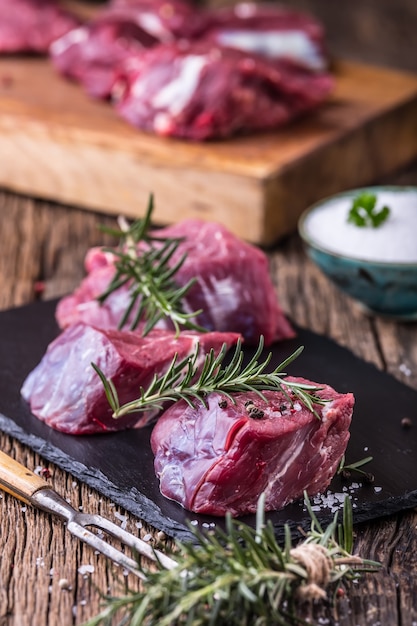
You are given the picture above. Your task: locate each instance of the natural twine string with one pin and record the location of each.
(315, 559)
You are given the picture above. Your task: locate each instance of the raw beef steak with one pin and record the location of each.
(65, 392)
(166, 19)
(32, 25)
(222, 458)
(200, 91)
(90, 55)
(233, 286)
(270, 30)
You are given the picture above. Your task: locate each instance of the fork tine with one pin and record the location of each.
(96, 542)
(137, 544)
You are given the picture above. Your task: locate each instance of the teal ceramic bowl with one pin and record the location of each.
(377, 266)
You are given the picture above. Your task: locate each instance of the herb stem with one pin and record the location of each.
(144, 263)
(186, 380)
(241, 576)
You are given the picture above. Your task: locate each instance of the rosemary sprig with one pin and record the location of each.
(363, 212)
(143, 263)
(184, 380)
(345, 469)
(241, 576)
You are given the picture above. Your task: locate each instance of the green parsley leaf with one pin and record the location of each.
(363, 212)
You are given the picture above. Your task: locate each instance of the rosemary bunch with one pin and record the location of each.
(184, 380)
(241, 577)
(143, 263)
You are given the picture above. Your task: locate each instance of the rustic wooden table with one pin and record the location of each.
(41, 256)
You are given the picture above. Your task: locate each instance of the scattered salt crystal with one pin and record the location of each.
(194, 522)
(404, 369)
(24, 509)
(40, 562)
(377, 489)
(205, 525)
(83, 602)
(147, 537)
(366, 449)
(122, 518)
(138, 524)
(80, 508)
(51, 571)
(74, 610)
(38, 470)
(74, 484)
(86, 569)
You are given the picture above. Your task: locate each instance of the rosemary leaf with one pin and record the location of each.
(143, 262)
(240, 577)
(185, 381)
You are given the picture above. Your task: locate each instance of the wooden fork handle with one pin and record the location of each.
(18, 480)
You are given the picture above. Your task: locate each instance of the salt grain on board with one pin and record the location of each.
(394, 241)
(86, 569)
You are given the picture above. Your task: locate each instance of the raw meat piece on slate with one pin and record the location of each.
(233, 286)
(65, 392)
(32, 25)
(200, 91)
(273, 31)
(222, 458)
(91, 53)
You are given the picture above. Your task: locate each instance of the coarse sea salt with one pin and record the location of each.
(393, 241)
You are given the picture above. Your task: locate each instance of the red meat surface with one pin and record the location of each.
(91, 54)
(200, 91)
(32, 25)
(270, 30)
(65, 392)
(233, 286)
(222, 458)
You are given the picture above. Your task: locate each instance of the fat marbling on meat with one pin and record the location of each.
(199, 90)
(233, 288)
(221, 458)
(271, 30)
(32, 25)
(67, 394)
(91, 54)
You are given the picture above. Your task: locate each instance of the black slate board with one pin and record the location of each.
(120, 465)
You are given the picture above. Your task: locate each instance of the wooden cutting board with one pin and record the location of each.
(58, 144)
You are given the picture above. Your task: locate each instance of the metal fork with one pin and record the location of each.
(30, 488)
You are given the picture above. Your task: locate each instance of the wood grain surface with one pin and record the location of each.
(57, 143)
(42, 580)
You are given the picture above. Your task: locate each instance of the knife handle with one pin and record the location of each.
(18, 480)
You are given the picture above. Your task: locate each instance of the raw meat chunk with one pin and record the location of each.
(222, 458)
(233, 286)
(273, 31)
(91, 54)
(65, 392)
(200, 91)
(32, 25)
(165, 19)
